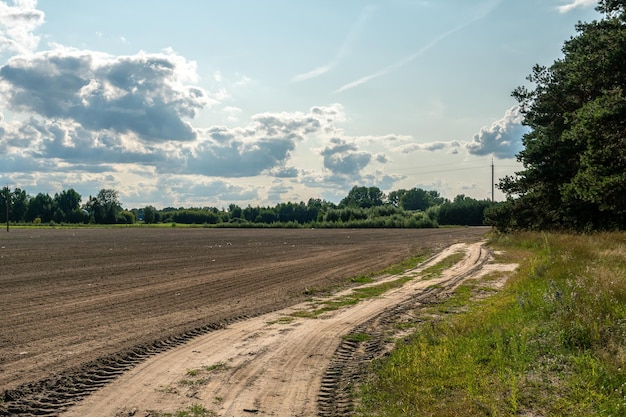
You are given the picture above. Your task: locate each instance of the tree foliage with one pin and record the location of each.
(415, 199)
(362, 207)
(105, 207)
(363, 197)
(463, 211)
(574, 156)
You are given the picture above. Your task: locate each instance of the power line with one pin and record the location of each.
(418, 172)
(441, 170)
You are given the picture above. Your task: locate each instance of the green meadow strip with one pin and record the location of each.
(551, 343)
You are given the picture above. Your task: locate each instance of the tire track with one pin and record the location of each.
(51, 396)
(301, 367)
(351, 359)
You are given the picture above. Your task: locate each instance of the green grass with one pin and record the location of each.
(216, 367)
(359, 294)
(357, 337)
(353, 298)
(199, 376)
(194, 410)
(394, 269)
(281, 320)
(436, 270)
(551, 343)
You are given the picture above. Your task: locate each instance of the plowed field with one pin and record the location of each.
(71, 298)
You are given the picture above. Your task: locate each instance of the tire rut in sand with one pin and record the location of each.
(352, 358)
(52, 396)
(49, 397)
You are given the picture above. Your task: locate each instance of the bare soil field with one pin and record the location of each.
(78, 307)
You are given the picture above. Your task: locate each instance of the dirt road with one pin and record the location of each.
(79, 307)
(272, 365)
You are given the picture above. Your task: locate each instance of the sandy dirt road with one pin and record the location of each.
(271, 365)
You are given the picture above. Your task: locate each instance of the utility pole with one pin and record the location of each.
(6, 200)
(492, 182)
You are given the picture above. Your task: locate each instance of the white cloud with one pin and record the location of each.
(343, 158)
(451, 147)
(503, 138)
(575, 4)
(144, 94)
(232, 113)
(262, 147)
(17, 24)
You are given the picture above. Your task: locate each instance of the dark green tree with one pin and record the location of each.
(104, 207)
(363, 197)
(5, 205)
(67, 202)
(416, 199)
(574, 156)
(41, 206)
(463, 210)
(149, 214)
(235, 212)
(19, 205)
(394, 197)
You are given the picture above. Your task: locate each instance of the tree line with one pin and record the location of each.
(362, 207)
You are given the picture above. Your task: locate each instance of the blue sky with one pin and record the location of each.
(207, 103)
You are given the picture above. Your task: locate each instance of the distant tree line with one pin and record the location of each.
(63, 207)
(362, 207)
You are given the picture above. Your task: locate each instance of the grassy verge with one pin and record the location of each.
(359, 294)
(551, 343)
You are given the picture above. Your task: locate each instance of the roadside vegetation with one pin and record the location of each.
(552, 342)
(574, 155)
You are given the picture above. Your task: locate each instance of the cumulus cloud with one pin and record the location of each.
(344, 158)
(575, 4)
(503, 138)
(450, 147)
(263, 146)
(276, 191)
(17, 24)
(238, 158)
(206, 191)
(285, 172)
(143, 94)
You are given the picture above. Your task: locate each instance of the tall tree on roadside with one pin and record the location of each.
(574, 156)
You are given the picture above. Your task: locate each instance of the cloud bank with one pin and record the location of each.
(88, 120)
(142, 95)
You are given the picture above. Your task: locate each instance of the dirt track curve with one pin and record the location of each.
(271, 365)
(88, 305)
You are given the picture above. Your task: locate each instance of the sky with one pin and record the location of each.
(204, 103)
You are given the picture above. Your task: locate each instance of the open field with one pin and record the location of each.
(300, 361)
(71, 297)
